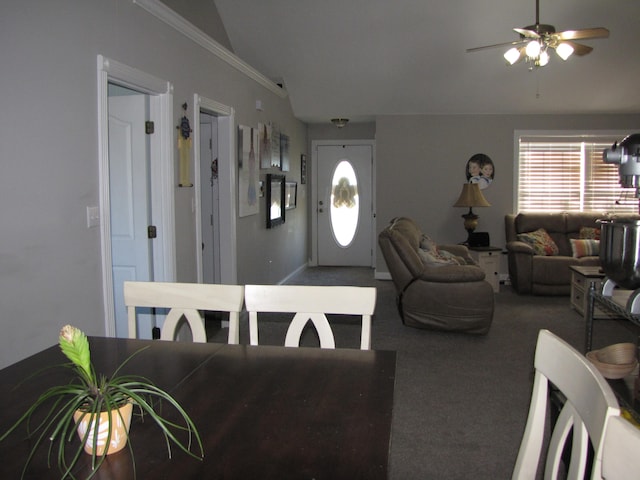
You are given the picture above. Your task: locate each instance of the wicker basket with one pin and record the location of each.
(614, 361)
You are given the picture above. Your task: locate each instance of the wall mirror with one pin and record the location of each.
(275, 200)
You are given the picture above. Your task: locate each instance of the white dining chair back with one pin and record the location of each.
(589, 403)
(311, 304)
(621, 450)
(185, 300)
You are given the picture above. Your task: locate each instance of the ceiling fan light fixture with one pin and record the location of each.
(533, 49)
(543, 59)
(564, 50)
(535, 41)
(512, 55)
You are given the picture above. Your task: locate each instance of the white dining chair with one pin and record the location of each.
(185, 300)
(621, 450)
(311, 304)
(589, 404)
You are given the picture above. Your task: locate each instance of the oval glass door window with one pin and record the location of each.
(345, 204)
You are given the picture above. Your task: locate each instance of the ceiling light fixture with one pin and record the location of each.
(536, 52)
(564, 50)
(536, 40)
(339, 122)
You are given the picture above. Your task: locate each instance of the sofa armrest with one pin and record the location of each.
(520, 260)
(452, 273)
(520, 247)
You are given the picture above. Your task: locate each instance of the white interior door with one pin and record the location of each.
(209, 192)
(344, 187)
(130, 204)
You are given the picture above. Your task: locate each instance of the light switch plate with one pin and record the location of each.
(93, 217)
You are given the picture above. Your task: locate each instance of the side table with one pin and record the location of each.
(488, 260)
(581, 279)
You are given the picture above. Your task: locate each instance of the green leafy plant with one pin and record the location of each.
(91, 394)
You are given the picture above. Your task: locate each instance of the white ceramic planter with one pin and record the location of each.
(120, 423)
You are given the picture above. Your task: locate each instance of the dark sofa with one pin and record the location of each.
(546, 274)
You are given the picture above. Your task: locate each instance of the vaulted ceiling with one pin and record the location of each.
(362, 58)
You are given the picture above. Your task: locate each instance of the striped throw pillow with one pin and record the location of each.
(585, 248)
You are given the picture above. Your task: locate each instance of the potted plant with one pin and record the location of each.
(75, 406)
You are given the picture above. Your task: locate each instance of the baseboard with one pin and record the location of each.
(298, 270)
(382, 275)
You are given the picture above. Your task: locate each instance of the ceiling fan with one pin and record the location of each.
(536, 40)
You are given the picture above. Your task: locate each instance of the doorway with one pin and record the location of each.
(215, 197)
(343, 194)
(131, 247)
(209, 198)
(134, 191)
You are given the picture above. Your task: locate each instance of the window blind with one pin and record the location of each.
(565, 173)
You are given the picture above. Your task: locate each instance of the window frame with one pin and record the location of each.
(566, 136)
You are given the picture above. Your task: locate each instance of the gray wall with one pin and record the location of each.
(421, 163)
(50, 262)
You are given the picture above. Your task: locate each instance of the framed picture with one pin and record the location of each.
(303, 169)
(264, 140)
(284, 152)
(248, 167)
(291, 195)
(275, 146)
(275, 200)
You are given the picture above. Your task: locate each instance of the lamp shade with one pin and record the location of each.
(471, 196)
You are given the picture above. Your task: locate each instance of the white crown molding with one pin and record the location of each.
(171, 18)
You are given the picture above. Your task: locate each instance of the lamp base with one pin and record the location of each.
(470, 223)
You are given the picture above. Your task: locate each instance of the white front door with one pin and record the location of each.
(344, 205)
(209, 191)
(130, 205)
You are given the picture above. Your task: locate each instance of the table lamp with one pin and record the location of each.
(471, 196)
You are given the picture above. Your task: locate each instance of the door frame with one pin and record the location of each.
(314, 193)
(226, 185)
(162, 177)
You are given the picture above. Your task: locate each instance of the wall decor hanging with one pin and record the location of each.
(480, 170)
(303, 169)
(291, 195)
(184, 149)
(248, 178)
(275, 200)
(264, 132)
(275, 145)
(284, 152)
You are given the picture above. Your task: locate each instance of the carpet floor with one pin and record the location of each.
(461, 401)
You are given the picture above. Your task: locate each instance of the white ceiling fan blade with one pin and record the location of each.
(580, 49)
(505, 44)
(526, 32)
(585, 33)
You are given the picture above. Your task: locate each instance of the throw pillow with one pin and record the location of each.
(439, 258)
(541, 242)
(585, 247)
(426, 243)
(453, 258)
(430, 254)
(590, 233)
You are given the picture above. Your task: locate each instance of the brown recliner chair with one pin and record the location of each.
(437, 297)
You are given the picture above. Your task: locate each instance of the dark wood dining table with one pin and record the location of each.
(263, 412)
